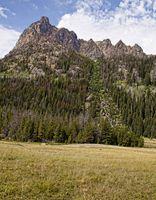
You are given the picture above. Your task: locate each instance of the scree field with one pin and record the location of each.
(77, 172)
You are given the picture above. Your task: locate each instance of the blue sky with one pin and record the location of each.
(133, 21)
(22, 13)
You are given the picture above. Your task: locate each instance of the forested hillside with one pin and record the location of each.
(63, 107)
(55, 87)
(131, 83)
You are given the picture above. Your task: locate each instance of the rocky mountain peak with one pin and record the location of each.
(43, 26)
(119, 49)
(137, 48)
(90, 49)
(107, 42)
(68, 38)
(106, 47)
(36, 32)
(42, 35)
(120, 44)
(91, 41)
(44, 20)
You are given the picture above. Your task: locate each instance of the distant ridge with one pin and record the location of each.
(41, 45)
(42, 33)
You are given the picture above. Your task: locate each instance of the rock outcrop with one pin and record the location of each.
(43, 34)
(41, 45)
(90, 49)
(119, 49)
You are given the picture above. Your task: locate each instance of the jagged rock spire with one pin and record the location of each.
(120, 44)
(44, 19)
(42, 33)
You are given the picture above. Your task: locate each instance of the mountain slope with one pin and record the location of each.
(57, 87)
(42, 44)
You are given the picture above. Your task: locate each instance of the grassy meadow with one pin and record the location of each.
(77, 172)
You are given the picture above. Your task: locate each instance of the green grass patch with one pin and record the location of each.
(76, 172)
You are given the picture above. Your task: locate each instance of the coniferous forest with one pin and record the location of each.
(134, 94)
(67, 109)
(57, 88)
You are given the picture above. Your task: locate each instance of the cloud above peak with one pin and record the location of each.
(10, 37)
(132, 21)
(3, 12)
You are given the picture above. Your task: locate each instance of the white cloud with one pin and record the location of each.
(8, 36)
(132, 21)
(8, 40)
(3, 12)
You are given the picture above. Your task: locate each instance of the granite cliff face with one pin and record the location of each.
(90, 49)
(119, 49)
(42, 44)
(37, 32)
(42, 33)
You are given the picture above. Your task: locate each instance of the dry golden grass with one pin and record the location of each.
(76, 172)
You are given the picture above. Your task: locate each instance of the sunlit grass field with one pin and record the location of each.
(77, 172)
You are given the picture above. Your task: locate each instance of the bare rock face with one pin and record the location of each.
(122, 49)
(37, 33)
(90, 49)
(137, 50)
(44, 26)
(41, 45)
(106, 47)
(119, 49)
(43, 35)
(120, 45)
(67, 38)
(105, 44)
